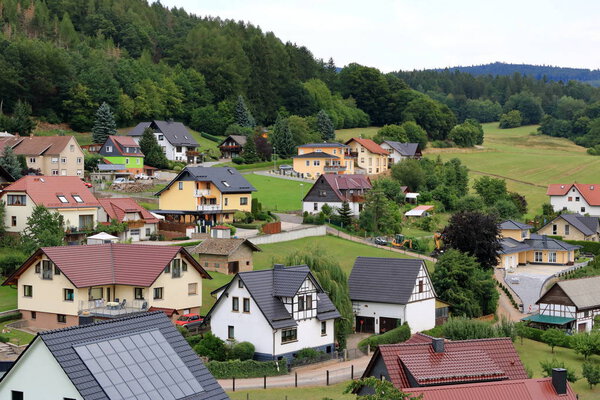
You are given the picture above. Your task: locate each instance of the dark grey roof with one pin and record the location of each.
(510, 246)
(316, 154)
(239, 139)
(383, 280)
(510, 224)
(226, 179)
(175, 132)
(584, 224)
(542, 242)
(317, 145)
(62, 342)
(405, 149)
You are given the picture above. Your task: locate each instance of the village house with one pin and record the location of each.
(519, 247)
(316, 159)
(137, 357)
(67, 195)
(573, 227)
(232, 146)
(280, 311)
(176, 141)
(50, 155)
(228, 256)
(370, 157)
(387, 292)
(334, 189)
(205, 196)
(571, 305)
(141, 224)
(74, 285)
(123, 150)
(399, 151)
(575, 197)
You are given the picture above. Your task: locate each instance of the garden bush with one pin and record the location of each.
(10, 262)
(210, 137)
(242, 351)
(237, 160)
(246, 369)
(396, 335)
(212, 347)
(308, 352)
(587, 247)
(461, 328)
(10, 317)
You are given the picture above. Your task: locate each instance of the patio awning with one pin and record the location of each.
(548, 319)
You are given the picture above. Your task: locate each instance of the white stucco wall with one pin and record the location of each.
(394, 155)
(39, 376)
(377, 310)
(421, 315)
(309, 335)
(310, 208)
(561, 202)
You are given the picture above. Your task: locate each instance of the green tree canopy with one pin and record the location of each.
(242, 115)
(22, 123)
(153, 154)
(44, 228)
(249, 154)
(325, 126)
(104, 125)
(511, 119)
(281, 138)
(380, 215)
(490, 189)
(10, 162)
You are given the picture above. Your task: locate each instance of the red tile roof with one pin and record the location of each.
(419, 338)
(117, 207)
(424, 208)
(370, 145)
(523, 389)
(590, 192)
(110, 264)
(36, 145)
(500, 350)
(346, 182)
(126, 141)
(43, 190)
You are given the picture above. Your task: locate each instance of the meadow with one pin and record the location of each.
(343, 135)
(277, 194)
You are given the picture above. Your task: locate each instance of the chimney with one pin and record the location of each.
(278, 266)
(559, 380)
(438, 345)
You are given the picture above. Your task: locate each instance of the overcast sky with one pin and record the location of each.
(418, 34)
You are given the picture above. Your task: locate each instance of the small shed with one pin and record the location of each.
(419, 211)
(102, 238)
(220, 232)
(411, 197)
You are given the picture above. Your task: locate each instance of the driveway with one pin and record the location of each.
(281, 176)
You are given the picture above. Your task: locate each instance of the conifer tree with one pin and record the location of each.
(325, 126)
(243, 116)
(10, 162)
(345, 214)
(250, 155)
(153, 154)
(105, 124)
(282, 137)
(22, 123)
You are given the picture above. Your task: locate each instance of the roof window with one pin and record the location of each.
(77, 198)
(62, 198)
(225, 183)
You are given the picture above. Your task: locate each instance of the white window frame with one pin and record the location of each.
(552, 257)
(109, 149)
(538, 256)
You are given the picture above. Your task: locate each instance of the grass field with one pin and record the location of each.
(8, 298)
(345, 134)
(302, 393)
(277, 194)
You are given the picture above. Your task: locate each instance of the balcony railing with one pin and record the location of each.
(209, 207)
(102, 308)
(231, 147)
(136, 224)
(201, 192)
(335, 168)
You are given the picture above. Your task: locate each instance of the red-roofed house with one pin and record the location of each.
(439, 362)
(71, 285)
(67, 195)
(370, 157)
(334, 189)
(575, 197)
(123, 150)
(141, 224)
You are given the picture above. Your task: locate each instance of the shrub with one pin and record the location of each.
(10, 262)
(396, 335)
(511, 119)
(181, 238)
(554, 337)
(242, 351)
(246, 369)
(210, 137)
(237, 160)
(4, 339)
(193, 340)
(586, 247)
(212, 347)
(308, 353)
(461, 328)
(548, 365)
(10, 317)
(591, 372)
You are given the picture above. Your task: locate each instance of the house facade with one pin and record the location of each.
(123, 150)
(386, 292)
(73, 285)
(50, 155)
(141, 224)
(228, 256)
(232, 146)
(573, 227)
(205, 196)
(334, 189)
(576, 198)
(280, 311)
(176, 141)
(399, 151)
(316, 159)
(371, 158)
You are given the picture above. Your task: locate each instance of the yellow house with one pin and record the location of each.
(519, 247)
(204, 197)
(573, 227)
(73, 285)
(316, 159)
(370, 157)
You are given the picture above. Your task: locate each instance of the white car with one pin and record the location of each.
(142, 176)
(121, 180)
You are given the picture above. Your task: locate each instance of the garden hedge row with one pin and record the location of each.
(210, 137)
(246, 369)
(586, 247)
(396, 335)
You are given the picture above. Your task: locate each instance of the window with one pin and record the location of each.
(567, 229)
(225, 183)
(63, 172)
(370, 161)
(176, 264)
(109, 149)
(37, 268)
(334, 151)
(148, 232)
(315, 207)
(32, 160)
(569, 198)
(183, 266)
(78, 172)
(79, 160)
(178, 149)
(158, 293)
(322, 193)
(289, 335)
(362, 160)
(77, 198)
(316, 163)
(27, 290)
(235, 304)
(226, 201)
(362, 149)
(54, 160)
(138, 161)
(56, 270)
(160, 137)
(552, 257)
(126, 161)
(555, 229)
(307, 163)
(68, 295)
(240, 284)
(576, 198)
(309, 303)
(16, 200)
(420, 285)
(230, 333)
(300, 303)
(13, 220)
(55, 172)
(180, 185)
(537, 256)
(246, 305)
(72, 148)
(524, 233)
(323, 328)
(46, 269)
(138, 293)
(582, 209)
(96, 293)
(63, 160)
(62, 198)
(243, 201)
(16, 395)
(86, 221)
(61, 318)
(192, 288)
(33, 315)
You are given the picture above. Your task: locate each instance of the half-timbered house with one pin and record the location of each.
(334, 190)
(387, 292)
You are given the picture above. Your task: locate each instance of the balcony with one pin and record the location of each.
(136, 224)
(209, 207)
(101, 308)
(335, 168)
(231, 147)
(201, 192)
(353, 154)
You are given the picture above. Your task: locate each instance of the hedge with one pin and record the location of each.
(210, 137)
(248, 226)
(264, 164)
(396, 335)
(246, 369)
(586, 247)
(10, 317)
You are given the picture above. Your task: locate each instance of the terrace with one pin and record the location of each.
(111, 309)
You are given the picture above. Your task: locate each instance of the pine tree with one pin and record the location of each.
(243, 116)
(345, 214)
(105, 124)
(250, 155)
(282, 137)
(22, 123)
(153, 154)
(325, 126)
(10, 163)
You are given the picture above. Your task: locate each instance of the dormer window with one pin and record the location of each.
(62, 198)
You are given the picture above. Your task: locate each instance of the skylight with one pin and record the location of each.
(77, 198)
(62, 198)
(225, 183)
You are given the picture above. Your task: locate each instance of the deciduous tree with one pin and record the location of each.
(44, 228)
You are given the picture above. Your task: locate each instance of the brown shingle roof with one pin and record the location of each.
(222, 247)
(43, 190)
(36, 145)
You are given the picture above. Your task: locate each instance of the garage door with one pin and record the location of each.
(135, 235)
(365, 324)
(386, 324)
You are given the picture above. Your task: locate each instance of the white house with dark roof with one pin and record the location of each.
(573, 227)
(177, 142)
(137, 357)
(334, 189)
(387, 292)
(401, 151)
(280, 311)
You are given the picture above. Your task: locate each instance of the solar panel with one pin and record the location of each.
(139, 366)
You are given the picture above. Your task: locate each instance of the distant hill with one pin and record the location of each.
(536, 71)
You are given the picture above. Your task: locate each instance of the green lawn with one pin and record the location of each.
(82, 138)
(15, 336)
(301, 393)
(8, 298)
(345, 134)
(277, 194)
(532, 352)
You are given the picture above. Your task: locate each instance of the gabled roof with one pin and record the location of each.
(419, 338)
(509, 224)
(36, 145)
(324, 144)
(384, 280)
(227, 180)
(222, 247)
(122, 143)
(370, 145)
(316, 154)
(267, 286)
(418, 211)
(583, 292)
(110, 264)
(590, 192)
(535, 242)
(44, 190)
(405, 149)
(174, 132)
(145, 338)
(116, 208)
(339, 183)
(239, 139)
(584, 224)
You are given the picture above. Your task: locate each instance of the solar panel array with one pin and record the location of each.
(141, 366)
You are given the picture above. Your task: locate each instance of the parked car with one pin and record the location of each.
(187, 318)
(285, 167)
(381, 241)
(142, 176)
(121, 180)
(87, 184)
